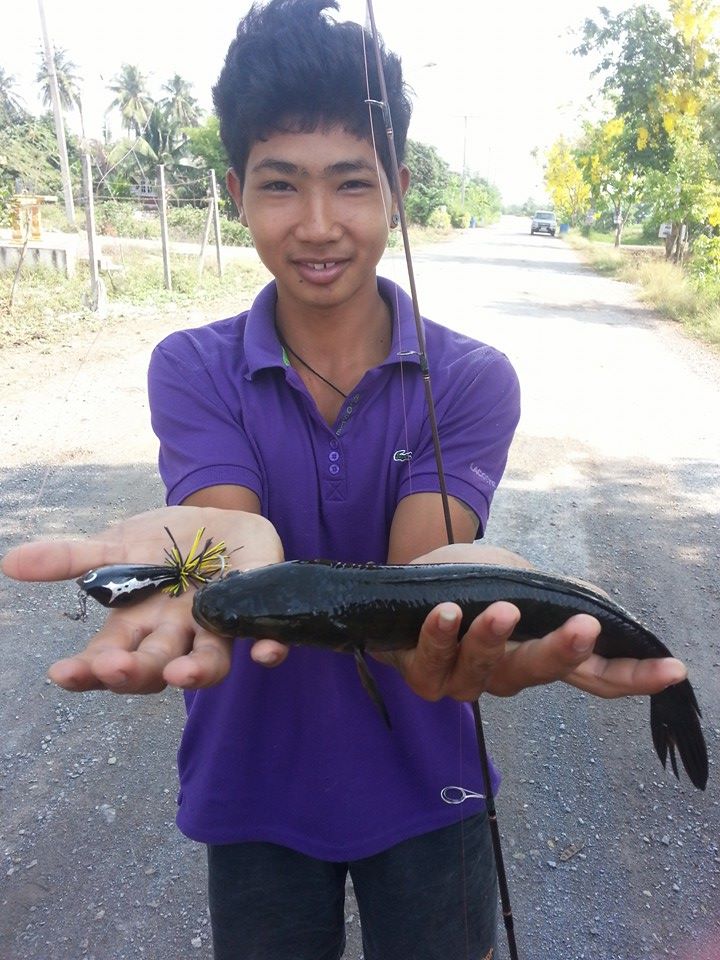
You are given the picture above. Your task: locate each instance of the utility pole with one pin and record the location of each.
(464, 167)
(463, 187)
(59, 125)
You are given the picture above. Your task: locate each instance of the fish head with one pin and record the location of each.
(264, 603)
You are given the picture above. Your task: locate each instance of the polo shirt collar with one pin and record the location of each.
(263, 349)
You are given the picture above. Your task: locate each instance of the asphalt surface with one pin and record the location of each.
(614, 477)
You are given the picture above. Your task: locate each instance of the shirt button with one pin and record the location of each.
(334, 456)
(334, 469)
(333, 444)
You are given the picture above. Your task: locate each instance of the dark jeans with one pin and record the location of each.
(432, 897)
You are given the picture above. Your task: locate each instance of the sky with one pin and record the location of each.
(492, 81)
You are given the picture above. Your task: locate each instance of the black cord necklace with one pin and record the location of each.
(286, 346)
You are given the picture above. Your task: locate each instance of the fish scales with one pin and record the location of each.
(376, 608)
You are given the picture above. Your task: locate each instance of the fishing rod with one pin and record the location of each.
(503, 888)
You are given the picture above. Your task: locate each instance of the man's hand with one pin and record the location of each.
(486, 660)
(143, 647)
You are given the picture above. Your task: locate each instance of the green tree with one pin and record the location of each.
(687, 193)
(68, 83)
(11, 108)
(132, 99)
(482, 200)
(429, 181)
(179, 106)
(661, 75)
(609, 163)
(205, 145)
(29, 157)
(206, 152)
(638, 52)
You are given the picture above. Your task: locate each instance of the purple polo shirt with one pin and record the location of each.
(298, 755)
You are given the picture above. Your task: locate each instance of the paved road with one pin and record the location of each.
(614, 476)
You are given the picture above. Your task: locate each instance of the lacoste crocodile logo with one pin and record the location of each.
(402, 456)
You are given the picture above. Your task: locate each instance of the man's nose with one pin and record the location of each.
(319, 222)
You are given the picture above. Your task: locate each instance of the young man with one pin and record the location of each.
(300, 429)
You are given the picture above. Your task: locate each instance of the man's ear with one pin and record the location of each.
(232, 182)
(404, 178)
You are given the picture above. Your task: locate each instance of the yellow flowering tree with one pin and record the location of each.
(566, 186)
(610, 168)
(687, 193)
(661, 74)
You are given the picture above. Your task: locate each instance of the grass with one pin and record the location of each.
(48, 306)
(631, 235)
(662, 284)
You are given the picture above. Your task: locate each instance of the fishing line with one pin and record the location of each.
(401, 352)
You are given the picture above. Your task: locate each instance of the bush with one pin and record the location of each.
(114, 219)
(186, 223)
(234, 234)
(704, 264)
(460, 219)
(439, 219)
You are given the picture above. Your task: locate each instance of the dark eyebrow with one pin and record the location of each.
(349, 166)
(341, 168)
(278, 166)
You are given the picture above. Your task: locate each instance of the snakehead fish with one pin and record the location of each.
(366, 607)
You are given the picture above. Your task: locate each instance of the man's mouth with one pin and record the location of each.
(320, 271)
(325, 265)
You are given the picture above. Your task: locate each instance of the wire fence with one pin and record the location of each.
(152, 198)
(185, 207)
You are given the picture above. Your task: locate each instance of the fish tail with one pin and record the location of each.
(368, 682)
(675, 724)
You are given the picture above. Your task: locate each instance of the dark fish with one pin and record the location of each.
(358, 608)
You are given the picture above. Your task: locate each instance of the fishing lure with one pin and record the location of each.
(122, 584)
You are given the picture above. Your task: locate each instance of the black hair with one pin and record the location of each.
(293, 68)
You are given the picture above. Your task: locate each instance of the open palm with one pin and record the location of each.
(143, 647)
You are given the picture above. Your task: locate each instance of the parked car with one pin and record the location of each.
(543, 221)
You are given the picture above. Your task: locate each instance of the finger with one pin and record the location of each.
(108, 666)
(624, 677)
(428, 667)
(546, 659)
(112, 644)
(208, 663)
(268, 653)
(74, 674)
(481, 649)
(130, 651)
(59, 559)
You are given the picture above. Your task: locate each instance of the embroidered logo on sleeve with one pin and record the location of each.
(482, 475)
(402, 456)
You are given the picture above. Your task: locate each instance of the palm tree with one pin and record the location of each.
(68, 83)
(11, 108)
(132, 98)
(179, 106)
(67, 80)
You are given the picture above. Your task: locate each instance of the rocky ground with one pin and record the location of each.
(614, 477)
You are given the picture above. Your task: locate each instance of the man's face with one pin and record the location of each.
(318, 206)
